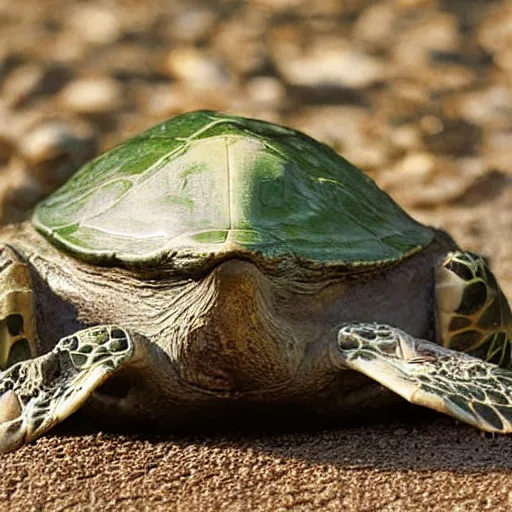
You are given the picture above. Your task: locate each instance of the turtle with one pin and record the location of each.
(216, 266)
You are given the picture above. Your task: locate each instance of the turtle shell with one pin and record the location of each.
(208, 185)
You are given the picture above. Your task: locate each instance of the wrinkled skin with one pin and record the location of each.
(237, 334)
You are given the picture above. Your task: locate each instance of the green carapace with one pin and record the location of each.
(208, 184)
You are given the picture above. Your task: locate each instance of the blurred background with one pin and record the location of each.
(418, 93)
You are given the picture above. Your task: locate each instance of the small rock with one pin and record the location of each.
(328, 64)
(196, 69)
(403, 101)
(447, 77)
(404, 5)
(497, 152)
(419, 165)
(421, 179)
(406, 137)
(352, 131)
(495, 33)
(95, 24)
(47, 155)
(53, 140)
(167, 100)
(278, 5)
(491, 106)
(92, 96)
(241, 42)
(266, 91)
(503, 59)
(192, 25)
(375, 25)
(21, 83)
(68, 48)
(438, 32)
(162, 100)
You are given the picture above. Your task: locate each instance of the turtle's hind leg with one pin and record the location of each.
(38, 393)
(467, 388)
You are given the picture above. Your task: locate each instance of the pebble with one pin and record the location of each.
(241, 42)
(421, 179)
(352, 131)
(504, 59)
(192, 24)
(278, 5)
(438, 32)
(21, 84)
(266, 92)
(330, 64)
(497, 152)
(489, 106)
(196, 69)
(404, 5)
(95, 24)
(46, 156)
(167, 100)
(161, 101)
(375, 25)
(495, 32)
(403, 102)
(406, 137)
(447, 77)
(53, 139)
(92, 96)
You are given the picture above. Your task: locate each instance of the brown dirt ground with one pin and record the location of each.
(417, 92)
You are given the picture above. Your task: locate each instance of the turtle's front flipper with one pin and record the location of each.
(467, 388)
(38, 393)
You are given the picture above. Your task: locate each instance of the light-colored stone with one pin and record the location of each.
(266, 91)
(375, 24)
(438, 32)
(447, 77)
(51, 139)
(241, 42)
(352, 131)
(406, 137)
(95, 23)
(92, 96)
(21, 84)
(489, 106)
(497, 152)
(47, 155)
(196, 69)
(192, 24)
(495, 33)
(277, 5)
(504, 59)
(167, 100)
(422, 179)
(328, 64)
